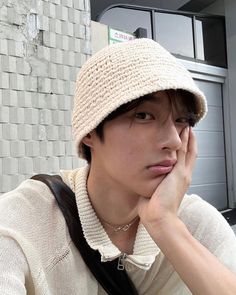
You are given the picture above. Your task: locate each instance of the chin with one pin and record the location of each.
(153, 186)
(147, 193)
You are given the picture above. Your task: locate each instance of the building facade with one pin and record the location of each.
(201, 34)
(42, 47)
(43, 44)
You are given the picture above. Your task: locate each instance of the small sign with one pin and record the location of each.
(117, 36)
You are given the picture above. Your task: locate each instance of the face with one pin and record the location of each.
(140, 147)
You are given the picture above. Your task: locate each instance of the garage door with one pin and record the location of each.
(209, 176)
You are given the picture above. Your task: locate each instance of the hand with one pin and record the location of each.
(163, 205)
(191, 260)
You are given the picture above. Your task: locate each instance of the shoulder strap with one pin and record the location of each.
(114, 281)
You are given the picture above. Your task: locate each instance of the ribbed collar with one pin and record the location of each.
(145, 249)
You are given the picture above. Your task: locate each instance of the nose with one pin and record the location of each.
(170, 135)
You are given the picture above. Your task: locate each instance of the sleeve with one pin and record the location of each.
(211, 229)
(13, 268)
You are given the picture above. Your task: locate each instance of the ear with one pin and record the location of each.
(88, 139)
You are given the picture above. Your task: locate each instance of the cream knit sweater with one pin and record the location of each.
(38, 257)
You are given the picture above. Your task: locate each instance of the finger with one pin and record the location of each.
(184, 136)
(192, 151)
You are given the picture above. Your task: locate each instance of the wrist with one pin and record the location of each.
(167, 228)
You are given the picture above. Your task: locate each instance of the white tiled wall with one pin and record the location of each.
(43, 44)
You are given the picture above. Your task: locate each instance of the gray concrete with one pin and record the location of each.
(218, 7)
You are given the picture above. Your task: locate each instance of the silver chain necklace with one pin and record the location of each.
(123, 227)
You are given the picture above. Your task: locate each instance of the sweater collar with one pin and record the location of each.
(145, 249)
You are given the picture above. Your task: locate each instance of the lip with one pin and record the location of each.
(162, 167)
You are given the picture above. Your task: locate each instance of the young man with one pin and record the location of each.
(133, 112)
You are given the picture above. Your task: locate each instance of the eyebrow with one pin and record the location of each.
(151, 98)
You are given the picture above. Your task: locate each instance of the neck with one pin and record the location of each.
(109, 202)
(115, 207)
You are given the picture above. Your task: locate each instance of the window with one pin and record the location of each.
(192, 36)
(175, 33)
(127, 19)
(210, 40)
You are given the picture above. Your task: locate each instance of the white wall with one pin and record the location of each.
(43, 44)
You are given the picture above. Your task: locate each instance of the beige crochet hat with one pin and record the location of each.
(120, 73)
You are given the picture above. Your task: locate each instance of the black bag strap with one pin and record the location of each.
(113, 281)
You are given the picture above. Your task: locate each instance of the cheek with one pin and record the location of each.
(129, 145)
(126, 154)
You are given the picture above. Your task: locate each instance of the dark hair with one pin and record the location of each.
(187, 99)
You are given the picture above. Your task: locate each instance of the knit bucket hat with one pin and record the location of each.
(120, 73)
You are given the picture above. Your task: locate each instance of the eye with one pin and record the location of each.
(144, 116)
(186, 120)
